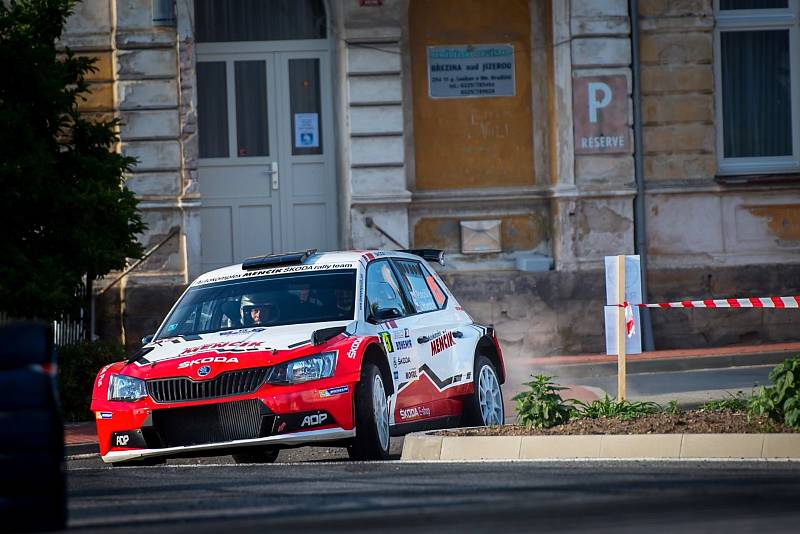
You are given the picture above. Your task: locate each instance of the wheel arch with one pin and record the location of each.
(486, 347)
(374, 353)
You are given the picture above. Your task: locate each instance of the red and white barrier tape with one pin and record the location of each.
(754, 302)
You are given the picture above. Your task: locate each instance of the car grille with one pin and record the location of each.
(185, 389)
(211, 423)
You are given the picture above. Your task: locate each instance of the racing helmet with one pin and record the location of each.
(257, 309)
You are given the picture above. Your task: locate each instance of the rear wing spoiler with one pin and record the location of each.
(428, 254)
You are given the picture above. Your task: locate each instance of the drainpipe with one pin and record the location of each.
(640, 239)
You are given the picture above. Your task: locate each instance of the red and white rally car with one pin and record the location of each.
(345, 348)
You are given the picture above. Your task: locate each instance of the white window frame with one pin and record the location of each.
(749, 20)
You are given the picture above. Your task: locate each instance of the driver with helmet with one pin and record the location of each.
(256, 309)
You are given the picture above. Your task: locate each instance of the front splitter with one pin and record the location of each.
(296, 438)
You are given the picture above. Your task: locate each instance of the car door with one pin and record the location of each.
(394, 328)
(434, 336)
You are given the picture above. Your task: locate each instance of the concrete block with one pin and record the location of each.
(376, 150)
(376, 119)
(681, 23)
(604, 170)
(90, 16)
(679, 166)
(676, 48)
(679, 138)
(134, 14)
(99, 98)
(153, 155)
(152, 94)
(587, 26)
(599, 8)
(781, 446)
(147, 124)
(534, 447)
(422, 447)
(381, 88)
(590, 52)
(661, 8)
(641, 446)
(677, 108)
(537, 263)
(103, 64)
(381, 58)
(154, 184)
(481, 448)
(137, 64)
(684, 224)
(722, 445)
(378, 180)
(682, 78)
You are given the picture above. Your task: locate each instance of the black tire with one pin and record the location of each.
(259, 455)
(472, 415)
(367, 445)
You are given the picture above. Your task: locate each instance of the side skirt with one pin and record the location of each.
(401, 429)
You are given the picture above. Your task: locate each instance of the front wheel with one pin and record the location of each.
(485, 406)
(372, 417)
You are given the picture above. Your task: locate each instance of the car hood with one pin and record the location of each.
(232, 342)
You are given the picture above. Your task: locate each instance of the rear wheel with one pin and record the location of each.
(259, 455)
(485, 406)
(372, 417)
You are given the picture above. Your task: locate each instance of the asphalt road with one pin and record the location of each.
(427, 497)
(690, 387)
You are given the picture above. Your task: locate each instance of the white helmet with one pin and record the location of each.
(266, 311)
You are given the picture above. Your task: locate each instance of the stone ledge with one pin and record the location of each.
(427, 446)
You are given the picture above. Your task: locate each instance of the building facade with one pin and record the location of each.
(503, 132)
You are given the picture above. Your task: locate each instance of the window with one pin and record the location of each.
(757, 51)
(270, 301)
(259, 20)
(417, 285)
(383, 291)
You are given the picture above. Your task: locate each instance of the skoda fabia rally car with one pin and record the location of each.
(340, 348)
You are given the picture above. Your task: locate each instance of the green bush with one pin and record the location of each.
(78, 365)
(736, 403)
(781, 400)
(542, 406)
(611, 407)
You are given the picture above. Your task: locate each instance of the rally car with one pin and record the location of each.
(336, 348)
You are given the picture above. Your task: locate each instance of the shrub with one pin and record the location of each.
(736, 403)
(78, 365)
(611, 407)
(672, 408)
(542, 406)
(781, 400)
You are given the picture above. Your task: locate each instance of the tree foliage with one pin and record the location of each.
(64, 210)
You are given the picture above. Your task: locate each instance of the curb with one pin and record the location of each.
(426, 446)
(80, 448)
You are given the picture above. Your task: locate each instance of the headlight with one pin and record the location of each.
(309, 368)
(126, 388)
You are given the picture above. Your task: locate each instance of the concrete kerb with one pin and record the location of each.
(430, 446)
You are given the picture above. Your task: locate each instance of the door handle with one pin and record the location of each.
(273, 173)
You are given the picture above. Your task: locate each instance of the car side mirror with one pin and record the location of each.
(384, 314)
(147, 339)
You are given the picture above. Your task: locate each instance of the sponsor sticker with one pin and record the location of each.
(402, 344)
(402, 360)
(314, 420)
(416, 411)
(207, 359)
(241, 331)
(441, 343)
(396, 375)
(224, 346)
(352, 352)
(104, 415)
(411, 374)
(387, 341)
(330, 392)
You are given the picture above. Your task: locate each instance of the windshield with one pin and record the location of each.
(270, 301)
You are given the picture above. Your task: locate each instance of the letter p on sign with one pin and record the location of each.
(595, 103)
